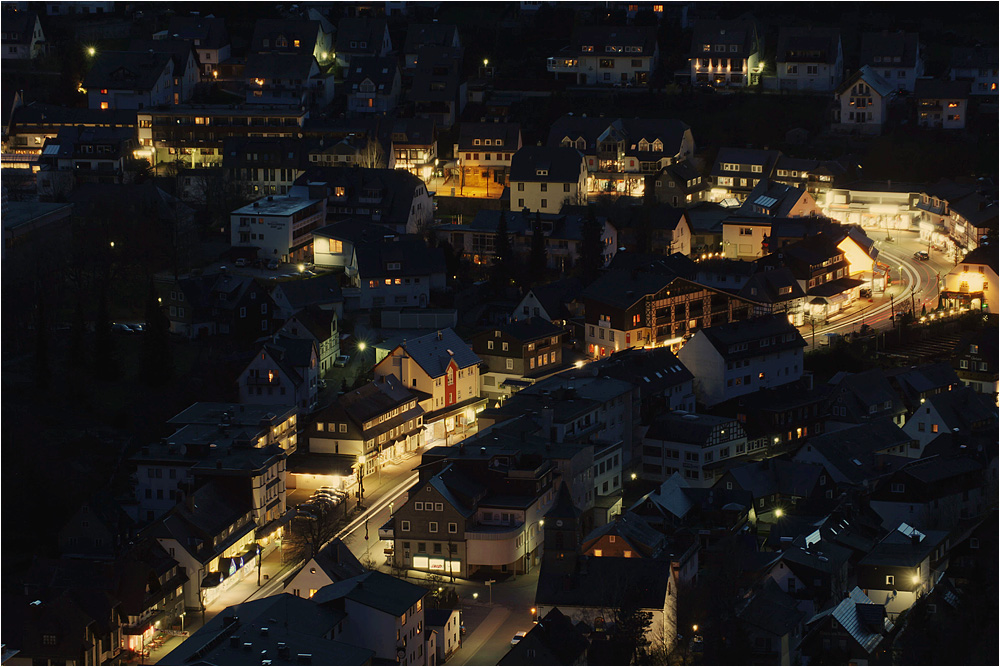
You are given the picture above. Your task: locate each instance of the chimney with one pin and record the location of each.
(440, 335)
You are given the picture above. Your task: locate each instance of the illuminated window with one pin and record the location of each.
(104, 105)
(104, 91)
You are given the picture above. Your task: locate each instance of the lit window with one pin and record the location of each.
(104, 105)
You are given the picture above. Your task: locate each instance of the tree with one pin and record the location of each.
(631, 626)
(372, 155)
(536, 264)
(156, 358)
(310, 531)
(591, 253)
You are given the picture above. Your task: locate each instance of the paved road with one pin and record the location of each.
(915, 282)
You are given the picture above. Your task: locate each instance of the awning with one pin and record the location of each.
(211, 580)
(835, 287)
(513, 382)
(452, 410)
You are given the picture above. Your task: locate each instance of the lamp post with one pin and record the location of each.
(361, 479)
(489, 585)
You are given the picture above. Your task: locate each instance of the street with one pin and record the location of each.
(914, 282)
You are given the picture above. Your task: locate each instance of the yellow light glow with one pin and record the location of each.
(916, 578)
(695, 627)
(91, 51)
(779, 513)
(579, 364)
(633, 476)
(361, 346)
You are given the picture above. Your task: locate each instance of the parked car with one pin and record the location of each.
(138, 328)
(118, 327)
(518, 636)
(922, 255)
(865, 292)
(342, 360)
(273, 265)
(242, 261)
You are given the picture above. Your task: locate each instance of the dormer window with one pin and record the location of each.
(476, 142)
(281, 42)
(541, 172)
(392, 266)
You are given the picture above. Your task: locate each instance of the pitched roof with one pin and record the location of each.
(429, 34)
(633, 529)
(876, 47)
(337, 561)
(772, 610)
(553, 640)
(553, 296)
(361, 29)
(19, 27)
(869, 76)
(852, 451)
(376, 590)
(546, 164)
(669, 131)
(435, 351)
(809, 44)
(131, 70)
(318, 291)
(380, 71)
(601, 36)
(775, 327)
(984, 254)
(941, 89)
(438, 74)
(563, 507)
(739, 32)
(603, 583)
(395, 189)
(654, 370)
(775, 286)
(789, 478)
(529, 329)
(355, 230)
(508, 134)
(964, 409)
(856, 614)
(744, 157)
(623, 289)
(304, 31)
(414, 258)
(680, 426)
(269, 66)
(208, 32)
(179, 50)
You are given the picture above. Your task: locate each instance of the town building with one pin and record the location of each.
(941, 104)
(401, 272)
(284, 370)
(218, 303)
(726, 54)
(373, 86)
(331, 564)
(690, 443)
(896, 56)
(737, 171)
(278, 227)
(978, 66)
(209, 37)
(439, 92)
(973, 282)
(361, 37)
(864, 100)
(543, 179)
(517, 354)
(445, 370)
(735, 359)
(608, 56)
(809, 59)
(484, 152)
(130, 80)
(23, 38)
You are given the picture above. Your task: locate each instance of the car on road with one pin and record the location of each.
(273, 265)
(518, 636)
(118, 327)
(342, 360)
(922, 255)
(242, 261)
(321, 384)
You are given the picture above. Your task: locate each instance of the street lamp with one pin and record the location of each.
(361, 479)
(91, 51)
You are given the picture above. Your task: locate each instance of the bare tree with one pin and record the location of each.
(372, 155)
(310, 530)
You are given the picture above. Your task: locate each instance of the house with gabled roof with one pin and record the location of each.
(284, 370)
(858, 455)
(209, 37)
(390, 197)
(621, 152)
(894, 55)
(484, 152)
(218, 303)
(555, 301)
(553, 640)
(865, 396)
(319, 325)
(373, 86)
(961, 410)
(445, 369)
(414, 142)
(726, 54)
(905, 565)
(286, 79)
(212, 535)
(864, 100)
(934, 491)
(321, 292)
(976, 362)
(617, 317)
(921, 382)
(335, 244)
(978, 66)
(856, 629)
(100, 529)
(809, 58)
(517, 354)
(780, 289)
(333, 563)
(419, 35)
(361, 37)
(737, 171)
(129, 80)
(23, 38)
(628, 536)
(186, 74)
(730, 360)
(401, 272)
(778, 200)
(282, 626)
(438, 91)
(773, 625)
(678, 184)
(544, 179)
(378, 422)
(941, 103)
(777, 484)
(294, 37)
(973, 282)
(682, 441)
(607, 55)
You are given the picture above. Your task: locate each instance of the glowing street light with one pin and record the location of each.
(361, 346)
(91, 51)
(694, 627)
(779, 513)
(633, 477)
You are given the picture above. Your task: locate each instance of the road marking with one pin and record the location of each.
(481, 635)
(383, 502)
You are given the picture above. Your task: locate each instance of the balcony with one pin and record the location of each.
(561, 64)
(264, 381)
